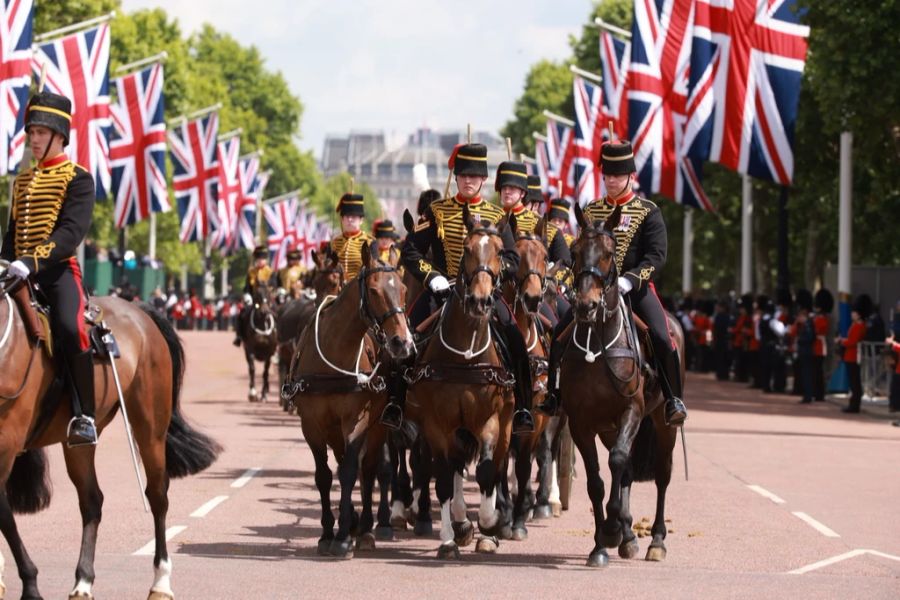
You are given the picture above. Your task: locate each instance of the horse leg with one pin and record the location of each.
(401, 491)
(348, 470)
(323, 484)
(463, 530)
(619, 462)
(665, 439)
(27, 570)
(587, 447)
(629, 546)
(422, 472)
(490, 522)
(443, 485)
(523, 499)
(365, 539)
(265, 380)
(544, 459)
(80, 467)
(384, 530)
(252, 395)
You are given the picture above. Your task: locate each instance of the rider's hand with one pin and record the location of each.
(19, 269)
(248, 299)
(625, 285)
(439, 284)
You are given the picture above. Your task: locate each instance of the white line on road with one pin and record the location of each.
(824, 530)
(207, 508)
(766, 493)
(246, 477)
(150, 548)
(839, 558)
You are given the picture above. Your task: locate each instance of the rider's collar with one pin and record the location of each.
(471, 201)
(621, 200)
(352, 234)
(516, 210)
(53, 162)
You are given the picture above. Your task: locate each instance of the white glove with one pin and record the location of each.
(625, 285)
(248, 299)
(19, 269)
(439, 284)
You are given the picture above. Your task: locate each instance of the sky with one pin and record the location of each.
(393, 65)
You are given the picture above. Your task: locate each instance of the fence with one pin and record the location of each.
(876, 369)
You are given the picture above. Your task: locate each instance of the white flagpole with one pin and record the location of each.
(687, 263)
(559, 118)
(161, 57)
(152, 243)
(586, 74)
(845, 220)
(601, 24)
(62, 31)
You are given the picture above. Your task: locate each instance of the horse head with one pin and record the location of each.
(481, 264)
(596, 274)
(328, 274)
(531, 277)
(382, 302)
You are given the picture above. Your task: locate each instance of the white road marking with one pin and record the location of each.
(824, 530)
(836, 559)
(207, 508)
(246, 477)
(150, 548)
(766, 493)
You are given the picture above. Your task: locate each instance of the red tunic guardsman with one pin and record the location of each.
(824, 304)
(861, 310)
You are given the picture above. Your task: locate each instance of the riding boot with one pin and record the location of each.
(82, 430)
(239, 327)
(392, 415)
(523, 421)
(670, 381)
(551, 402)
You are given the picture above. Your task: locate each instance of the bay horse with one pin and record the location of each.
(605, 393)
(338, 387)
(460, 394)
(36, 410)
(259, 337)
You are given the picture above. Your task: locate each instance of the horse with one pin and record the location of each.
(339, 393)
(612, 397)
(37, 409)
(259, 338)
(461, 396)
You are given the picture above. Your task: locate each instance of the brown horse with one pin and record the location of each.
(611, 397)
(259, 337)
(461, 396)
(36, 411)
(338, 388)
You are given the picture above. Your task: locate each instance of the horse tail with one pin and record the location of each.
(28, 488)
(644, 451)
(187, 450)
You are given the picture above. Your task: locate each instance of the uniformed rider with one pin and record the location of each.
(259, 272)
(386, 237)
(52, 208)
(348, 244)
(291, 277)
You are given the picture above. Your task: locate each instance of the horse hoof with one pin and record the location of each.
(598, 559)
(399, 523)
(629, 549)
(365, 542)
(324, 547)
(519, 534)
(556, 509)
(160, 596)
(529, 516)
(656, 553)
(463, 533)
(542, 512)
(384, 533)
(611, 540)
(487, 545)
(341, 548)
(411, 517)
(423, 529)
(80, 596)
(448, 551)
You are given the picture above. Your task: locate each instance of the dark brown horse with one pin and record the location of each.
(259, 337)
(461, 396)
(605, 392)
(338, 388)
(150, 370)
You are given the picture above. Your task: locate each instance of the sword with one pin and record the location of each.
(110, 343)
(684, 448)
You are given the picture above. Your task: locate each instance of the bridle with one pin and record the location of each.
(542, 277)
(467, 278)
(608, 279)
(375, 323)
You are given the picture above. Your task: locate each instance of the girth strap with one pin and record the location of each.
(331, 384)
(479, 373)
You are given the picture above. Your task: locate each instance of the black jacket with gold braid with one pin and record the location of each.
(442, 231)
(349, 251)
(641, 239)
(527, 222)
(51, 213)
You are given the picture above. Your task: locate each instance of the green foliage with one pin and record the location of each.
(548, 86)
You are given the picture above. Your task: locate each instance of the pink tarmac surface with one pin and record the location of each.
(728, 540)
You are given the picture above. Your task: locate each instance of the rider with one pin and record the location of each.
(51, 214)
(258, 272)
(641, 246)
(559, 217)
(442, 232)
(291, 277)
(386, 237)
(534, 197)
(348, 245)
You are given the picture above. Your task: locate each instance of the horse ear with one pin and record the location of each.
(541, 228)
(408, 221)
(612, 221)
(331, 255)
(579, 216)
(467, 218)
(315, 257)
(367, 254)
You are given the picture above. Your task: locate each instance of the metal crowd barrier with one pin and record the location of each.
(875, 370)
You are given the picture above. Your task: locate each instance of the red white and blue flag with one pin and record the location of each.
(137, 147)
(78, 68)
(253, 185)
(281, 224)
(588, 137)
(559, 153)
(16, 27)
(542, 164)
(192, 148)
(615, 57)
(229, 193)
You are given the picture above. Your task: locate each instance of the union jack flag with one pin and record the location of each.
(253, 185)
(589, 130)
(192, 148)
(542, 162)
(137, 147)
(15, 79)
(559, 153)
(229, 193)
(657, 98)
(615, 57)
(281, 223)
(78, 68)
(746, 68)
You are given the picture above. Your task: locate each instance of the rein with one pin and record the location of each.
(269, 323)
(6, 335)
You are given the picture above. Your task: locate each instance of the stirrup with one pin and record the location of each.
(392, 416)
(676, 413)
(522, 422)
(82, 431)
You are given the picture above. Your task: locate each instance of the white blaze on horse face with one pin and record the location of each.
(446, 524)
(483, 242)
(487, 511)
(458, 503)
(162, 578)
(391, 282)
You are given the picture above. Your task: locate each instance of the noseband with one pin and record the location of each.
(467, 278)
(365, 310)
(607, 279)
(542, 277)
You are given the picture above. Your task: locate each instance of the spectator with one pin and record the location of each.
(158, 300)
(850, 348)
(894, 347)
(875, 329)
(804, 333)
(721, 323)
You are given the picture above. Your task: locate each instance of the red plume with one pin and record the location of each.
(452, 162)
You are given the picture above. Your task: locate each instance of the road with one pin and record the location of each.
(784, 500)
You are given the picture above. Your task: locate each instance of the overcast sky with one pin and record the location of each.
(394, 64)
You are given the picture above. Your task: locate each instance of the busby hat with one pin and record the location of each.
(534, 194)
(351, 205)
(824, 301)
(260, 252)
(469, 159)
(783, 298)
(294, 254)
(559, 209)
(746, 302)
(804, 299)
(385, 229)
(617, 158)
(513, 174)
(51, 111)
(425, 200)
(863, 305)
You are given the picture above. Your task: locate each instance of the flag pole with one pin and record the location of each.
(156, 58)
(561, 119)
(230, 134)
(601, 24)
(586, 74)
(43, 37)
(281, 196)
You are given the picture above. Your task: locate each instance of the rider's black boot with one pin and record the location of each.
(523, 421)
(392, 415)
(551, 402)
(82, 430)
(670, 381)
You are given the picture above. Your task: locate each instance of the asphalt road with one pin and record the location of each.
(783, 500)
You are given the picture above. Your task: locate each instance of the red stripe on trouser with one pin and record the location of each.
(83, 340)
(672, 343)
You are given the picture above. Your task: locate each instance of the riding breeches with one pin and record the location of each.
(647, 306)
(62, 287)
